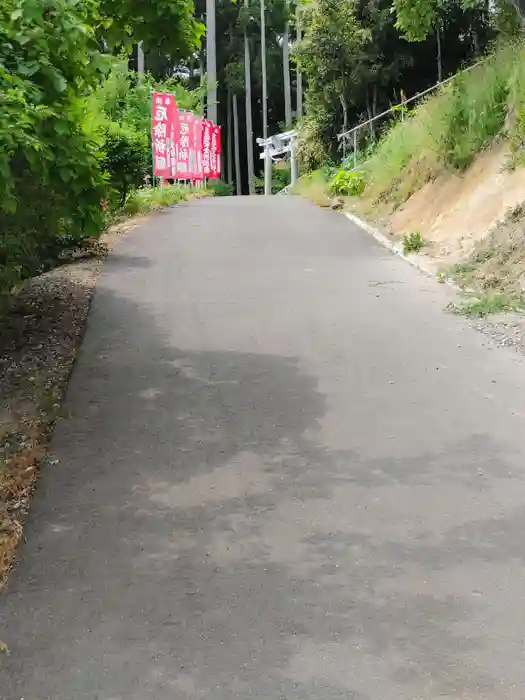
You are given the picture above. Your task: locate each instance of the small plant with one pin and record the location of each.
(413, 242)
(348, 183)
(481, 306)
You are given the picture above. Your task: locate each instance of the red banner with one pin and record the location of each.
(163, 128)
(215, 153)
(207, 128)
(185, 146)
(196, 148)
(189, 147)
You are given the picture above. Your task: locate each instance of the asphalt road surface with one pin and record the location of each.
(285, 474)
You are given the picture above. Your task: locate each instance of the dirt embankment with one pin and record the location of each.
(456, 211)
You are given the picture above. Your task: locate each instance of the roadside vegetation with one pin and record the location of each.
(449, 129)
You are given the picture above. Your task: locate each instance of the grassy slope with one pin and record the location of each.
(449, 129)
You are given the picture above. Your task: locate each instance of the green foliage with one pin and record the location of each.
(219, 188)
(281, 175)
(487, 304)
(126, 157)
(477, 106)
(452, 126)
(413, 242)
(348, 182)
(66, 132)
(314, 131)
(50, 178)
(417, 18)
(169, 25)
(143, 200)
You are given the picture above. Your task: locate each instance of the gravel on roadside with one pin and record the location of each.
(505, 330)
(40, 334)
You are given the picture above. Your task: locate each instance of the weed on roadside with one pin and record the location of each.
(479, 307)
(413, 242)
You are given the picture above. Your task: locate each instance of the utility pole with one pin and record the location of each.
(211, 62)
(248, 110)
(263, 64)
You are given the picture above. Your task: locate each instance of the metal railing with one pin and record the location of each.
(344, 136)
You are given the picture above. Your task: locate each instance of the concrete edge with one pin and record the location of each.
(397, 249)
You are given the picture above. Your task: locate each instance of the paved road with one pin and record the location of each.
(285, 474)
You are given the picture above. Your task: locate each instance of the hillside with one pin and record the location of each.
(452, 176)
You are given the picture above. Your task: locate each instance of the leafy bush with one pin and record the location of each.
(219, 188)
(126, 158)
(413, 242)
(51, 182)
(348, 182)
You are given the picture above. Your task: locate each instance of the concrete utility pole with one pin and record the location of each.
(248, 110)
(263, 64)
(211, 62)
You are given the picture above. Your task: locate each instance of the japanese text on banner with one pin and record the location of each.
(215, 152)
(163, 118)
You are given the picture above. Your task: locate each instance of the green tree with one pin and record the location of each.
(50, 179)
(165, 26)
(331, 49)
(418, 18)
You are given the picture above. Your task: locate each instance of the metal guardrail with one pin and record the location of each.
(345, 135)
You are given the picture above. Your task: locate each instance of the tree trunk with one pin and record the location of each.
(140, 59)
(369, 111)
(475, 42)
(263, 66)
(211, 62)
(248, 110)
(439, 56)
(286, 75)
(345, 111)
(238, 183)
(229, 155)
(299, 76)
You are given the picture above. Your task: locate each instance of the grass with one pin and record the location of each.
(486, 305)
(451, 127)
(144, 200)
(413, 242)
(314, 186)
